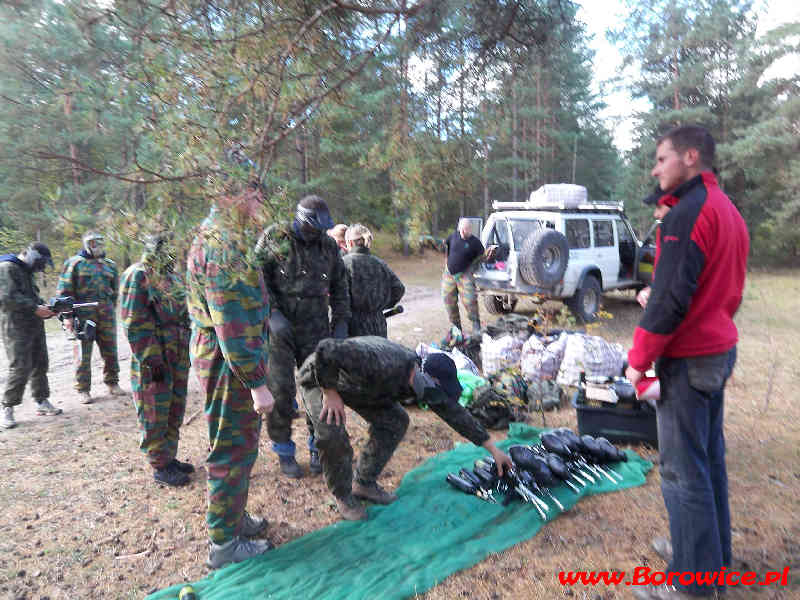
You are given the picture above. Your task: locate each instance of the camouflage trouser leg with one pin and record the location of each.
(106, 338)
(387, 426)
(333, 444)
(450, 298)
(26, 349)
(286, 352)
(178, 360)
(160, 405)
(368, 324)
(107, 342)
(233, 430)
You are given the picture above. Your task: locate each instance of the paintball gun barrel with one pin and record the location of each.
(66, 304)
(390, 312)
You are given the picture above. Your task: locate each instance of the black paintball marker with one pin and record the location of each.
(64, 307)
(390, 312)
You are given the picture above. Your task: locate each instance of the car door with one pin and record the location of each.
(496, 234)
(604, 250)
(577, 230)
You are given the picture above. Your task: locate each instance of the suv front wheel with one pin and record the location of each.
(586, 301)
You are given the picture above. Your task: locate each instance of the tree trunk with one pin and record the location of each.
(514, 133)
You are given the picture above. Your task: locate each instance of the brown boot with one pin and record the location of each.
(351, 509)
(373, 492)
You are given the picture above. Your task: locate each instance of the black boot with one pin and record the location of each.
(169, 475)
(289, 467)
(183, 467)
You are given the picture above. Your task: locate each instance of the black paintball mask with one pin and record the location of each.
(37, 257)
(312, 223)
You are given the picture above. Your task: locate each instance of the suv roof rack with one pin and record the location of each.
(586, 206)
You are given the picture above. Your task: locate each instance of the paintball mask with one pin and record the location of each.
(313, 216)
(158, 251)
(37, 257)
(94, 244)
(241, 169)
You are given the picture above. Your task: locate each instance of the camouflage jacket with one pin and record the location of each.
(89, 279)
(19, 295)
(153, 311)
(372, 371)
(227, 300)
(303, 279)
(373, 285)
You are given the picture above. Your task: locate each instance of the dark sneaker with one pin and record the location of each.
(289, 467)
(183, 467)
(170, 476)
(314, 465)
(7, 421)
(373, 492)
(663, 548)
(235, 551)
(351, 509)
(45, 408)
(252, 526)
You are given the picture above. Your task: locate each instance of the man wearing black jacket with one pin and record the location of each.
(371, 375)
(688, 330)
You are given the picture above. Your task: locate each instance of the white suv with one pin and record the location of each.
(557, 245)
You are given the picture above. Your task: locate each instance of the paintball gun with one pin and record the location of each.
(64, 307)
(390, 312)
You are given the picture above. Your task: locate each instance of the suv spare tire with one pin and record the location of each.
(543, 258)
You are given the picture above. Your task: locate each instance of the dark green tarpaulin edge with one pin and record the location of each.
(406, 548)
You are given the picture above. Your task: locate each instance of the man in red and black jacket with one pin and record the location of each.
(688, 330)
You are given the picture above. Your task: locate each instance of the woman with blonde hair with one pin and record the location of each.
(373, 285)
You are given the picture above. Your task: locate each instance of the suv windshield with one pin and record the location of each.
(522, 229)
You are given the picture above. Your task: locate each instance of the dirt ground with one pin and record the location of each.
(82, 518)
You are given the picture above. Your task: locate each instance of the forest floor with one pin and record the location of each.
(82, 517)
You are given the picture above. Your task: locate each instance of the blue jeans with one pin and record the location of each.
(694, 479)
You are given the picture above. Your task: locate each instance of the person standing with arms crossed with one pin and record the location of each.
(688, 330)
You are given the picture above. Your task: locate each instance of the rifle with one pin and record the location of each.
(67, 304)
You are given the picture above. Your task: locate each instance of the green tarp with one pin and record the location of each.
(432, 531)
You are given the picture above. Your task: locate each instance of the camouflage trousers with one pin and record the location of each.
(371, 323)
(387, 426)
(26, 349)
(106, 338)
(463, 284)
(160, 405)
(233, 430)
(285, 353)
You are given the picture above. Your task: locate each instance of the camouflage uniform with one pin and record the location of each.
(89, 279)
(373, 288)
(228, 305)
(371, 374)
(156, 321)
(22, 332)
(303, 280)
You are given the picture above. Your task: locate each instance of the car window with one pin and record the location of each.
(603, 234)
(623, 234)
(577, 231)
(499, 234)
(522, 229)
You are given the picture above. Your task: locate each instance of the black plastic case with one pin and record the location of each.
(620, 423)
